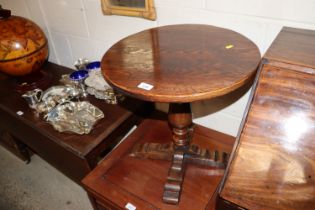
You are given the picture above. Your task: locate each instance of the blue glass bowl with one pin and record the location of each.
(79, 75)
(93, 66)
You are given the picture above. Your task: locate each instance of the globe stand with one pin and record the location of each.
(39, 79)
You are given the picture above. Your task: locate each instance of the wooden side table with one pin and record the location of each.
(180, 64)
(74, 155)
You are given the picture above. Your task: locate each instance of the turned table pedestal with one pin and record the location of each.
(180, 64)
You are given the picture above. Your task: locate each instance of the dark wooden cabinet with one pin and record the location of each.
(74, 155)
(273, 166)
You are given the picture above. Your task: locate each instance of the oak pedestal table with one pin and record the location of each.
(179, 64)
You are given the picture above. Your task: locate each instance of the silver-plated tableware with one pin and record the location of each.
(78, 77)
(33, 97)
(65, 80)
(60, 93)
(97, 86)
(81, 63)
(55, 95)
(76, 117)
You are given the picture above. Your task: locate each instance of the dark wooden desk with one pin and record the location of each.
(120, 179)
(74, 155)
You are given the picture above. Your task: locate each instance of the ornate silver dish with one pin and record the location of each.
(55, 95)
(81, 63)
(59, 93)
(65, 79)
(76, 117)
(97, 86)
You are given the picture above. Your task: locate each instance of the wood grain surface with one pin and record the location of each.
(183, 63)
(294, 46)
(274, 166)
(120, 179)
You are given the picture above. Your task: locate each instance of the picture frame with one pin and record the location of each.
(135, 8)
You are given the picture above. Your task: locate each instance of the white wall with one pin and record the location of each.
(77, 28)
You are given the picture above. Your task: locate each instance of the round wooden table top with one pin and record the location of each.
(180, 63)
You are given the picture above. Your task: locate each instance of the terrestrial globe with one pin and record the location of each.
(23, 45)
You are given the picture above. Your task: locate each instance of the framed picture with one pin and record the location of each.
(137, 8)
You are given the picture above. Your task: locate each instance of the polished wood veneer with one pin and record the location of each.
(293, 46)
(74, 155)
(184, 63)
(273, 166)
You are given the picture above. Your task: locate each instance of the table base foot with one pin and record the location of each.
(194, 154)
(174, 181)
(179, 156)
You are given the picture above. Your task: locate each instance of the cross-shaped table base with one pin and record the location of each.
(179, 151)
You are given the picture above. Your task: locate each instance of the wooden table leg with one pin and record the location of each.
(180, 120)
(179, 151)
(175, 178)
